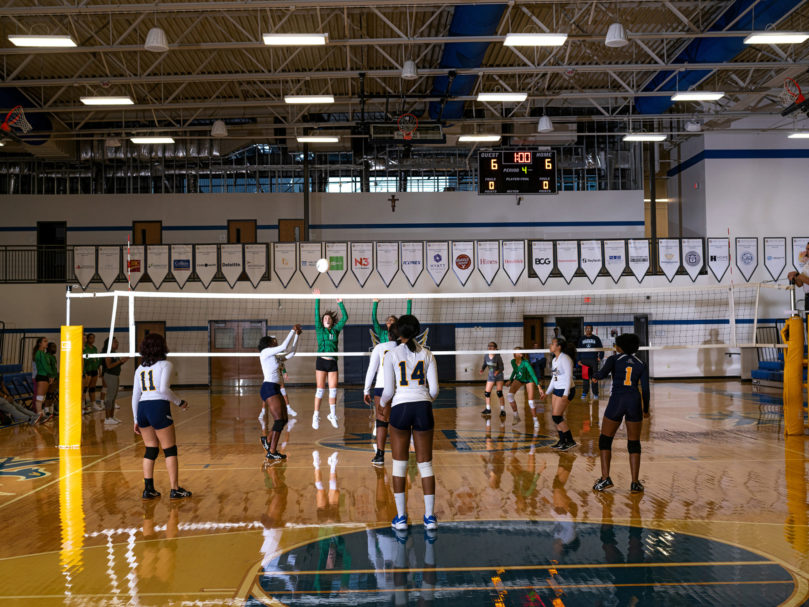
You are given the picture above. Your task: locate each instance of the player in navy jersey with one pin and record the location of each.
(629, 373)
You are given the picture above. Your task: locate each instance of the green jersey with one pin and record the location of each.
(380, 331)
(327, 338)
(523, 372)
(91, 364)
(46, 365)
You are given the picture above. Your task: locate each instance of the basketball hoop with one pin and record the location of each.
(407, 125)
(16, 118)
(794, 91)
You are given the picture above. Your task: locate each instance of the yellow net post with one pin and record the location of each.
(793, 336)
(70, 394)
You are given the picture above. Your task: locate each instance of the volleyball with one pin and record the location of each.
(322, 265)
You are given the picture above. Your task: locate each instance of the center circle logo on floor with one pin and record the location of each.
(463, 261)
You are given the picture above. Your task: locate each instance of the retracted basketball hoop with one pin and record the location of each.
(794, 90)
(407, 124)
(16, 118)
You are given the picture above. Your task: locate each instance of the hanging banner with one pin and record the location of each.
(463, 255)
(718, 257)
(157, 263)
(693, 256)
(181, 263)
(775, 256)
(308, 254)
(437, 261)
(800, 252)
(255, 262)
(109, 265)
(615, 258)
(412, 261)
(567, 258)
(668, 256)
(84, 264)
(284, 261)
(747, 256)
(362, 261)
(542, 258)
(336, 253)
(205, 263)
(638, 258)
(231, 262)
(136, 264)
(591, 258)
(514, 259)
(488, 259)
(387, 260)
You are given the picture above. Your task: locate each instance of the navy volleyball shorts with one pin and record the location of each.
(417, 415)
(154, 413)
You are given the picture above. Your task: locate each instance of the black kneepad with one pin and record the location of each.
(278, 425)
(487, 394)
(605, 442)
(151, 453)
(557, 419)
(633, 446)
(170, 451)
(381, 424)
(500, 394)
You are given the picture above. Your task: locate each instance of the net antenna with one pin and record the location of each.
(16, 118)
(407, 125)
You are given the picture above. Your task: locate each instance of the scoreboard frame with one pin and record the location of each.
(517, 172)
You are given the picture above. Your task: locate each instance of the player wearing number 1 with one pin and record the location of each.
(628, 372)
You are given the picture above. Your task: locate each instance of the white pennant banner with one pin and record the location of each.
(514, 259)
(109, 265)
(362, 261)
(463, 256)
(157, 263)
(309, 253)
(638, 258)
(747, 256)
(181, 255)
(542, 258)
(336, 253)
(205, 263)
(615, 258)
(412, 261)
(775, 256)
(488, 259)
(567, 258)
(693, 257)
(84, 264)
(719, 256)
(591, 258)
(231, 260)
(255, 262)
(438, 261)
(800, 257)
(284, 261)
(668, 256)
(387, 261)
(136, 264)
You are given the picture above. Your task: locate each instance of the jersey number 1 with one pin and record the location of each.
(143, 387)
(628, 377)
(417, 375)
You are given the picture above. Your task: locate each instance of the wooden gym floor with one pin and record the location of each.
(723, 520)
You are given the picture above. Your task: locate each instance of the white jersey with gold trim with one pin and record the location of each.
(410, 377)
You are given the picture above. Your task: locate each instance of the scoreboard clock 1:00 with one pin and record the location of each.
(517, 172)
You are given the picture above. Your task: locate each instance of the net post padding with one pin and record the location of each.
(70, 388)
(793, 336)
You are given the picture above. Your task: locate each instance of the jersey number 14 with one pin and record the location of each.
(417, 375)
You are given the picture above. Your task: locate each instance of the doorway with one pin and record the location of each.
(235, 336)
(533, 331)
(147, 232)
(241, 231)
(290, 230)
(51, 251)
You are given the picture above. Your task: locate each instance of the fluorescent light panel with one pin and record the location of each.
(108, 100)
(804, 135)
(295, 39)
(505, 97)
(645, 137)
(550, 39)
(298, 99)
(776, 38)
(697, 96)
(482, 138)
(318, 139)
(147, 140)
(41, 41)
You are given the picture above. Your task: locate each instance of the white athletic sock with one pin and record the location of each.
(332, 484)
(429, 505)
(332, 409)
(399, 498)
(319, 486)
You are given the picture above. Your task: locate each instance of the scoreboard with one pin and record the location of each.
(517, 172)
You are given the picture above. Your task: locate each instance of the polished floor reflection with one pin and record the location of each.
(723, 520)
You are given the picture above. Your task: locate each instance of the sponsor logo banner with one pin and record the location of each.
(362, 261)
(181, 263)
(542, 258)
(463, 252)
(513, 259)
(136, 265)
(109, 265)
(775, 256)
(337, 253)
(668, 256)
(84, 264)
(309, 253)
(284, 261)
(591, 258)
(638, 258)
(157, 263)
(437, 261)
(412, 261)
(488, 259)
(255, 262)
(615, 258)
(718, 257)
(387, 261)
(205, 263)
(693, 256)
(567, 258)
(231, 259)
(799, 256)
(747, 256)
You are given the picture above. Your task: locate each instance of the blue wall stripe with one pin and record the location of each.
(503, 224)
(736, 155)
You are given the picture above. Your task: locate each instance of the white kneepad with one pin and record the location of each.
(319, 393)
(399, 467)
(426, 469)
(41, 398)
(510, 397)
(283, 391)
(332, 392)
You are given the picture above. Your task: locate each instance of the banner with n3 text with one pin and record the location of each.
(362, 261)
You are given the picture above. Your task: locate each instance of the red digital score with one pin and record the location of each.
(522, 157)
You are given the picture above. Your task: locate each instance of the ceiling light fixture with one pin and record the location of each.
(148, 140)
(616, 36)
(480, 138)
(645, 137)
(410, 71)
(219, 129)
(107, 100)
(156, 41)
(318, 139)
(776, 38)
(803, 135)
(295, 39)
(41, 41)
(504, 97)
(112, 142)
(697, 96)
(299, 99)
(545, 125)
(549, 39)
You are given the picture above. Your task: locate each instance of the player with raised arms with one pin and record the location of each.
(626, 401)
(271, 356)
(382, 334)
(327, 327)
(376, 375)
(410, 387)
(522, 374)
(151, 407)
(562, 390)
(494, 364)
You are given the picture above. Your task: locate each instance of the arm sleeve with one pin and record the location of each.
(268, 352)
(318, 318)
(370, 374)
(644, 388)
(606, 369)
(165, 385)
(374, 321)
(135, 396)
(531, 373)
(432, 378)
(390, 381)
(293, 349)
(343, 318)
(409, 306)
